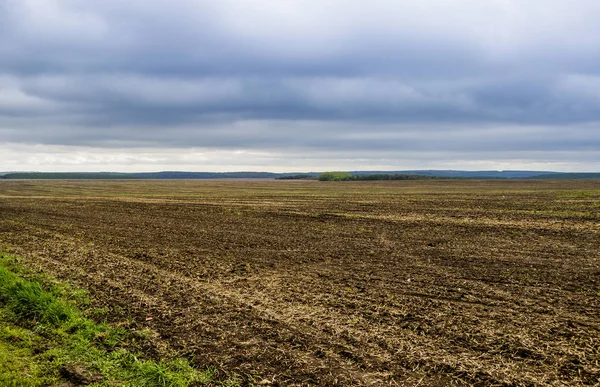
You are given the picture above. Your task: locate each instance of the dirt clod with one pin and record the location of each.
(78, 375)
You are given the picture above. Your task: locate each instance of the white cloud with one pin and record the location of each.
(49, 158)
(448, 77)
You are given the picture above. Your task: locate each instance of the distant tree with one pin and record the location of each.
(336, 176)
(346, 176)
(394, 177)
(301, 176)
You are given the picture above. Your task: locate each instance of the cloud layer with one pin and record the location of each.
(477, 81)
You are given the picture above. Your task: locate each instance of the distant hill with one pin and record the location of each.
(65, 175)
(292, 176)
(569, 175)
(463, 174)
(144, 175)
(205, 175)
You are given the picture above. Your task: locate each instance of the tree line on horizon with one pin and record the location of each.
(347, 176)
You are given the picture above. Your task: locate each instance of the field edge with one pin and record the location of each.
(50, 336)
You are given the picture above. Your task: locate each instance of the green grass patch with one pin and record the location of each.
(47, 339)
(580, 194)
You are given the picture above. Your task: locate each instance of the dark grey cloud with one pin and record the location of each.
(463, 76)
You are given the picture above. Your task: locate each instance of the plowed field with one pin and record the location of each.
(324, 283)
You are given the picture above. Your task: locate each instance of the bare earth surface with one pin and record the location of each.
(322, 283)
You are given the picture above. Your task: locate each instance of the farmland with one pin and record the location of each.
(334, 283)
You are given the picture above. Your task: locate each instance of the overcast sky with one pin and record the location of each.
(293, 85)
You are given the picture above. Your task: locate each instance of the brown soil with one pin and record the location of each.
(322, 283)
